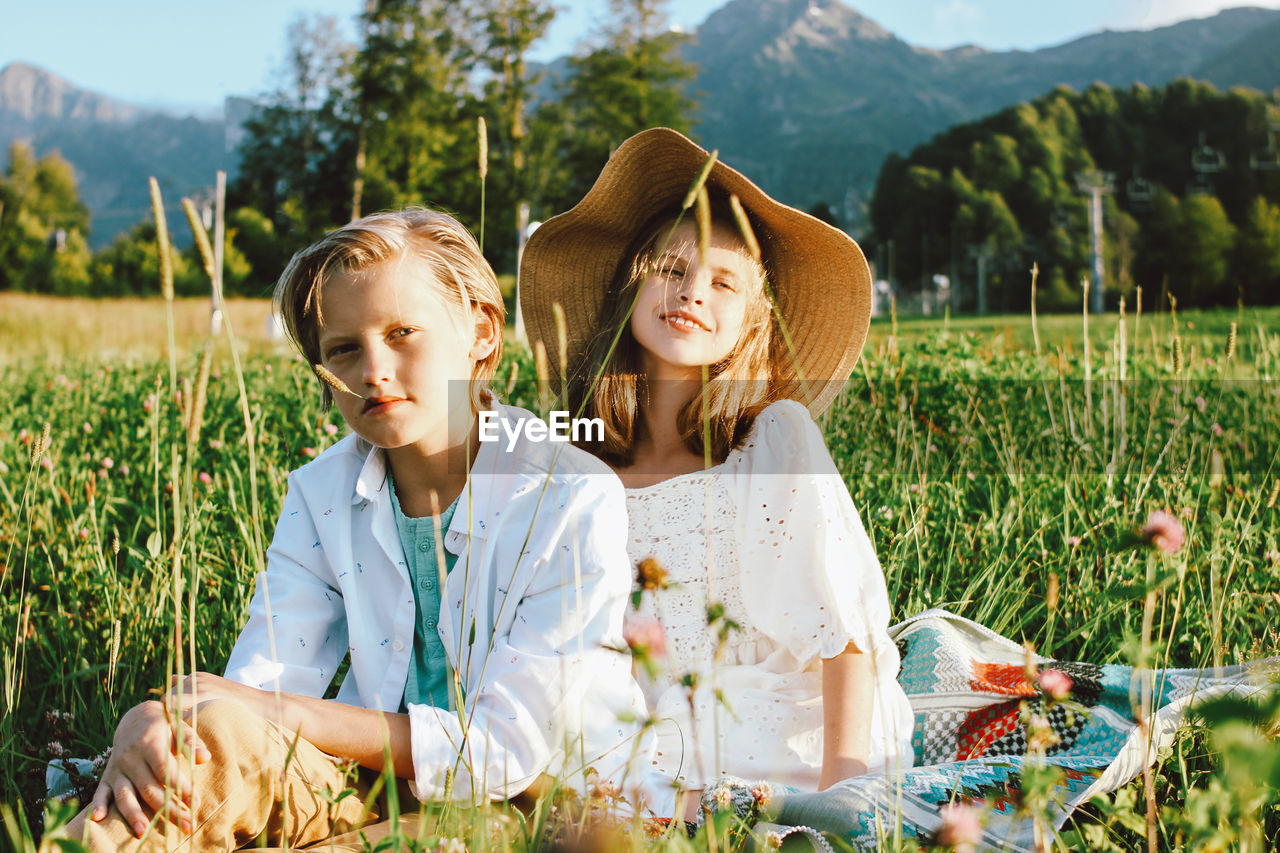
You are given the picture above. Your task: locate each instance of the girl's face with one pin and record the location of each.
(690, 310)
(390, 335)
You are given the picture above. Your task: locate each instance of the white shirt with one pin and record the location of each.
(530, 614)
(773, 536)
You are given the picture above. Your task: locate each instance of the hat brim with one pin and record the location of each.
(818, 274)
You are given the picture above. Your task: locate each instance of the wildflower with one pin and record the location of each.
(914, 487)
(88, 427)
(1040, 733)
(1056, 683)
(1164, 531)
(1200, 403)
(331, 429)
(761, 794)
(723, 797)
(309, 452)
(149, 403)
(108, 462)
(970, 475)
(83, 533)
(205, 478)
(1215, 429)
(215, 444)
(606, 790)
(102, 474)
(651, 575)
(46, 463)
(1273, 556)
(1073, 541)
(961, 827)
(124, 470)
(644, 636)
(24, 437)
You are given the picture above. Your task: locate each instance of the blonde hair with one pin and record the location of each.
(435, 238)
(610, 382)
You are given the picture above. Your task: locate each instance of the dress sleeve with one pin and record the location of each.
(810, 577)
(296, 633)
(552, 690)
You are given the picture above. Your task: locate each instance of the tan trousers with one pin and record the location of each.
(252, 789)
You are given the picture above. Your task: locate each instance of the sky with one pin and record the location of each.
(189, 56)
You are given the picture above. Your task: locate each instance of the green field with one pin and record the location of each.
(985, 472)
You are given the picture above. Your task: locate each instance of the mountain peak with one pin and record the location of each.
(30, 94)
(750, 24)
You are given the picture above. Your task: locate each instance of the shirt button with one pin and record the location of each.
(431, 623)
(427, 584)
(424, 546)
(398, 646)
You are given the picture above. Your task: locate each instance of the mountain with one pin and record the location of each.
(809, 96)
(114, 146)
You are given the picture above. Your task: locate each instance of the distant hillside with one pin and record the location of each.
(114, 146)
(809, 96)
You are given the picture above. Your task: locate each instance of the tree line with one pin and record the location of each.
(1191, 210)
(392, 119)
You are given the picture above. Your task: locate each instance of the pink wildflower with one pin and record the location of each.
(761, 794)
(205, 478)
(1200, 403)
(1215, 429)
(88, 427)
(108, 462)
(309, 452)
(1164, 531)
(1073, 541)
(644, 635)
(1056, 683)
(24, 437)
(46, 463)
(149, 403)
(215, 444)
(103, 474)
(83, 533)
(124, 470)
(961, 827)
(331, 429)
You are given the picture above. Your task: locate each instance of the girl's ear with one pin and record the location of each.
(488, 335)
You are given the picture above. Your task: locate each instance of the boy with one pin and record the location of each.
(478, 590)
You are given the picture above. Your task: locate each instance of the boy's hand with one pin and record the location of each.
(144, 753)
(198, 687)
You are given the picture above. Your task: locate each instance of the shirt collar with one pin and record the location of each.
(373, 481)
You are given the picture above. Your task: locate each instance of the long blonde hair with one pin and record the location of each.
(436, 238)
(610, 382)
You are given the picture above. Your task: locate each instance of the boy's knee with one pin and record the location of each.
(226, 720)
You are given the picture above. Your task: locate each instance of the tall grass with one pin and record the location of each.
(985, 474)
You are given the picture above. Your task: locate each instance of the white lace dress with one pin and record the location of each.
(773, 536)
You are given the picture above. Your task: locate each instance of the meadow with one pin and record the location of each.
(1001, 471)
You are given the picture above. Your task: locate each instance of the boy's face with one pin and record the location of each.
(393, 339)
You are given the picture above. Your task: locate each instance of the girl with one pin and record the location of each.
(768, 591)
(417, 551)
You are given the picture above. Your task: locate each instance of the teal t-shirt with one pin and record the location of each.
(428, 675)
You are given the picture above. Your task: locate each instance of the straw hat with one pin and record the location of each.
(818, 274)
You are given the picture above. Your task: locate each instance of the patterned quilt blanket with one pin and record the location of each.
(972, 697)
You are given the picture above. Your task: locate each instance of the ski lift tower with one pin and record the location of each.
(1095, 184)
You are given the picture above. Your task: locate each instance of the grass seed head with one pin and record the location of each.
(482, 133)
(331, 379)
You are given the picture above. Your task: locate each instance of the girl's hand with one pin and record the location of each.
(144, 753)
